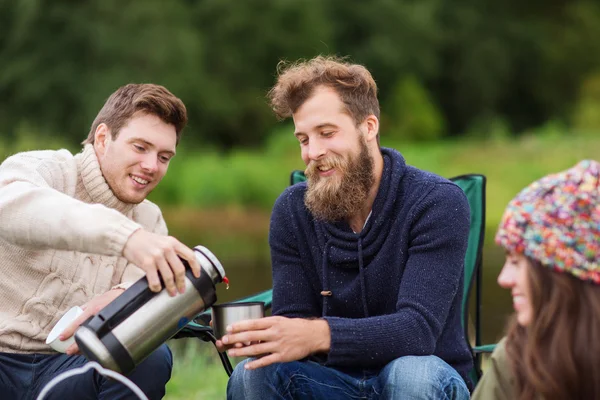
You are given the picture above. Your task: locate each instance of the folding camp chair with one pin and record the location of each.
(474, 187)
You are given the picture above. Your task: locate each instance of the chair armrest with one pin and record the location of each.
(486, 348)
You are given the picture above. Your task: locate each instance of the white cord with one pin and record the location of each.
(103, 371)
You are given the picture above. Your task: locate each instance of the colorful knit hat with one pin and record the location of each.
(556, 221)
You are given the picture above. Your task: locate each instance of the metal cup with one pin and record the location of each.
(228, 313)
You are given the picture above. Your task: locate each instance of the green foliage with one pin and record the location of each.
(551, 130)
(253, 179)
(489, 127)
(62, 60)
(283, 142)
(242, 178)
(508, 165)
(26, 141)
(410, 114)
(211, 179)
(518, 62)
(586, 115)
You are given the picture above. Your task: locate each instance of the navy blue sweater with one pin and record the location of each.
(396, 286)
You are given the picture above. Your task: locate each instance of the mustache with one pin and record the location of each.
(312, 169)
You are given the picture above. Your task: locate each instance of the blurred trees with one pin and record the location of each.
(443, 67)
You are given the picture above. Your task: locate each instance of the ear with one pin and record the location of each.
(372, 126)
(101, 138)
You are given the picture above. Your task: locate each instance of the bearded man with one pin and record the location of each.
(367, 260)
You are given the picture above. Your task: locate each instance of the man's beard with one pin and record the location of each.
(337, 198)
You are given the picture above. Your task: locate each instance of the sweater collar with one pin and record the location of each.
(344, 248)
(94, 182)
(394, 166)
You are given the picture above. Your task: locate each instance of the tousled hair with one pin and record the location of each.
(139, 99)
(296, 82)
(556, 355)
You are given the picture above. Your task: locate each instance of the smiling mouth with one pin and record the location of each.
(139, 180)
(518, 301)
(325, 170)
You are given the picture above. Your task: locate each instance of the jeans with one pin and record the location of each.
(410, 377)
(23, 376)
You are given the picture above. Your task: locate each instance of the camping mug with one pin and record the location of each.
(226, 314)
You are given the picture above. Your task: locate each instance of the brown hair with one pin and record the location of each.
(134, 99)
(297, 82)
(556, 355)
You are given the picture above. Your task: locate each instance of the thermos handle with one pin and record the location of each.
(121, 307)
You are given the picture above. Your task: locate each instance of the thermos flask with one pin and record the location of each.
(137, 322)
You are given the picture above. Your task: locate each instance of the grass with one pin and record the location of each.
(197, 372)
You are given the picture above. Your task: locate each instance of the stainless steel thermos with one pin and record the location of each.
(137, 322)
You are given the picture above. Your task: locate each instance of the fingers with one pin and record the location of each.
(188, 254)
(156, 254)
(70, 330)
(178, 270)
(245, 338)
(236, 346)
(220, 346)
(72, 349)
(153, 281)
(172, 270)
(255, 350)
(262, 362)
(167, 276)
(252, 324)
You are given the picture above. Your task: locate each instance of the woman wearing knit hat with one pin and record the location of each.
(551, 233)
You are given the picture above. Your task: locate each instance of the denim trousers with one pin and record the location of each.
(23, 376)
(410, 377)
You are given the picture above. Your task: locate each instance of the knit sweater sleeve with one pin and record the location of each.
(36, 211)
(290, 278)
(430, 286)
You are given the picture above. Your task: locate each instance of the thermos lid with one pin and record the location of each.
(212, 260)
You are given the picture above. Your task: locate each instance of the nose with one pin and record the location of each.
(506, 279)
(150, 162)
(315, 150)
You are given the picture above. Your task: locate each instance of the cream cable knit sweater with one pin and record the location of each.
(62, 233)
